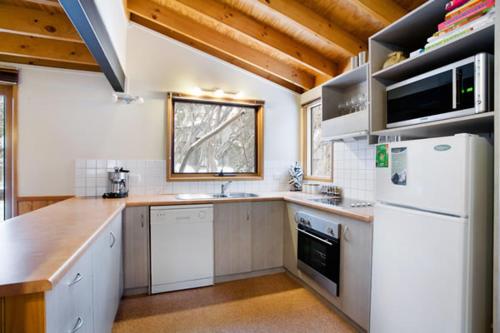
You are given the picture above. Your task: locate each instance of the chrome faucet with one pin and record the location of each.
(223, 188)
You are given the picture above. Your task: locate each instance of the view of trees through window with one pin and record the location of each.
(209, 137)
(320, 156)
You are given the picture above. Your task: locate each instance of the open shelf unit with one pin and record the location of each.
(338, 126)
(478, 123)
(409, 34)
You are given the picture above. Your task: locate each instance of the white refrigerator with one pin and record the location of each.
(432, 236)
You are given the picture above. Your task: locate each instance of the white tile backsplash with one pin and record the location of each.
(354, 169)
(149, 177)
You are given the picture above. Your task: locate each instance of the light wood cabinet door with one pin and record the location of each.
(267, 234)
(356, 254)
(136, 248)
(232, 238)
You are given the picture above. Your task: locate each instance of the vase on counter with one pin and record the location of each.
(296, 177)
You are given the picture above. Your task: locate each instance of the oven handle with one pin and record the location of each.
(314, 236)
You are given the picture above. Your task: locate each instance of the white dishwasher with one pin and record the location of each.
(182, 247)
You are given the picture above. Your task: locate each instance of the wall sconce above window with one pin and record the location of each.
(216, 92)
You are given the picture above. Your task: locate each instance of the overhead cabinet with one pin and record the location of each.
(345, 103)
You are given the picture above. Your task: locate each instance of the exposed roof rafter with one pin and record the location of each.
(37, 23)
(210, 41)
(386, 11)
(315, 23)
(265, 35)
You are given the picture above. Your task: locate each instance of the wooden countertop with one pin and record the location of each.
(361, 214)
(37, 248)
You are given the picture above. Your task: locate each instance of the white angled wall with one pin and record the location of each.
(69, 115)
(116, 22)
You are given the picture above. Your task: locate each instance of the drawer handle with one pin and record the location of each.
(78, 325)
(78, 278)
(142, 220)
(113, 239)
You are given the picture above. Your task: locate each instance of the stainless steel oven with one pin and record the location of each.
(318, 250)
(456, 90)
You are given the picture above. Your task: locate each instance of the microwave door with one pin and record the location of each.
(421, 100)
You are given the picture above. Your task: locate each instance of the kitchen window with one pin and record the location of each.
(210, 138)
(316, 155)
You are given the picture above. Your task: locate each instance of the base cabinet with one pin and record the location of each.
(355, 263)
(267, 234)
(136, 250)
(69, 304)
(106, 266)
(232, 238)
(248, 237)
(86, 299)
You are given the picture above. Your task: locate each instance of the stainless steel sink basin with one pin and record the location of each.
(201, 196)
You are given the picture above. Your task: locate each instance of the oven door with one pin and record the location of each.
(319, 257)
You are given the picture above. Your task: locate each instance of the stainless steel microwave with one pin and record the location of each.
(456, 90)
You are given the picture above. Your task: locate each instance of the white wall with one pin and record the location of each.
(116, 22)
(67, 115)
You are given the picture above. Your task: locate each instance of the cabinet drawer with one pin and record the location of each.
(69, 304)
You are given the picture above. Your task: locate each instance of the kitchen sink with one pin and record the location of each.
(200, 196)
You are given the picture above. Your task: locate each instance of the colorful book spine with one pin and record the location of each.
(461, 9)
(480, 7)
(454, 4)
(461, 23)
(464, 30)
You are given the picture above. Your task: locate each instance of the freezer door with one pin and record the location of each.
(418, 275)
(430, 174)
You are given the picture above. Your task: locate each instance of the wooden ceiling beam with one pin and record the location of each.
(385, 11)
(37, 23)
(264, 35)
(50, 3)
(314, 23)
(46, 50)
(174, 24)
(214, 52)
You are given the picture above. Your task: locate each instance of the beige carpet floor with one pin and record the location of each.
(273, 303)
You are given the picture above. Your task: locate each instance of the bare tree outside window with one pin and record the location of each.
(208, 137)
(316, 154)
(321, 152)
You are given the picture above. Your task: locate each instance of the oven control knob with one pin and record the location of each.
(308, 223)
(330, 231)
(302, 220)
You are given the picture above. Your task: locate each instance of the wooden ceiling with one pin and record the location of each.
(295, 43)
(38, 32)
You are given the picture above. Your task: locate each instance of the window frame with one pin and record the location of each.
(9, 90)
(259, 138)
(305, 142)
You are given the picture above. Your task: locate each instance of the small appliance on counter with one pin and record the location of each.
(118, 184)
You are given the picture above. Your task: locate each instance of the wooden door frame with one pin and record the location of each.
(10, 179)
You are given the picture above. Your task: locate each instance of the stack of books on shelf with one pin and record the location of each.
(462, 18)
